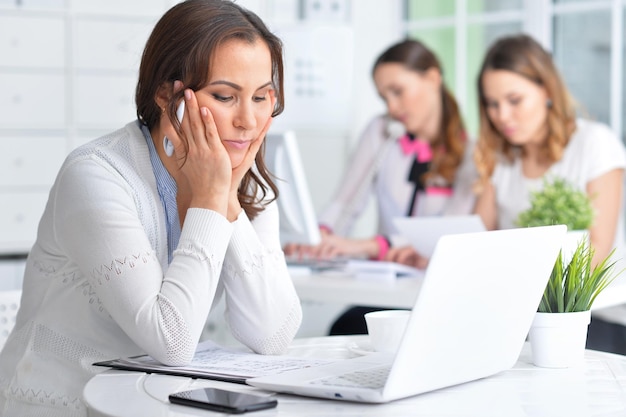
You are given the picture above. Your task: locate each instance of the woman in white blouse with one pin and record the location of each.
(146, 227)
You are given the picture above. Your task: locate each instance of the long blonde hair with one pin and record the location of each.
(522, 55)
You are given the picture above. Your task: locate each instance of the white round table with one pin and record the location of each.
(595, 387)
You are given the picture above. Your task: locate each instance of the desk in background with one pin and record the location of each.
(341, 288)
(595, 387)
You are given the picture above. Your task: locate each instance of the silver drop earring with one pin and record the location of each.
(549, 103)
(167, 146)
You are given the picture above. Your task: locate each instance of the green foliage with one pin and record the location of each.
(558, 203)
(575, 287)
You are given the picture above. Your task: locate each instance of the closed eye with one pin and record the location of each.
(396, 92)
(223, 99)
(515, 101)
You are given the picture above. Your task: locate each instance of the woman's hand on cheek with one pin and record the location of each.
(207, 167)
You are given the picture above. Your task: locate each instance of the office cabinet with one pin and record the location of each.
(68, 71)
(32, 101)
(41, 48)
(122, 8)
(22, 168)
(104, 101)
(109, 44)
(21, 212)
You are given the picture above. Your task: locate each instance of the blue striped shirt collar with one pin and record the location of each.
(167, 188)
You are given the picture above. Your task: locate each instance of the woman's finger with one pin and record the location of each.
(391, 255)
(191, 124)
(212, 138)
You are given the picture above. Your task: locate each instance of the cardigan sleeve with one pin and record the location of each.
(98, 226)
(262, 307)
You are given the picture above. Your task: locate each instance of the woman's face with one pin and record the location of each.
(411, 97)
(516, 106)
(238, 94)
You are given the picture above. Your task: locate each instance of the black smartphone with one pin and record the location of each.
(222, 400)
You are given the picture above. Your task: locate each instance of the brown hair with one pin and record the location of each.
(449, 147)
(522, 55)
(180, 48)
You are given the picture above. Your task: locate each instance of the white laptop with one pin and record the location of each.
(423, 232)
(470, 320)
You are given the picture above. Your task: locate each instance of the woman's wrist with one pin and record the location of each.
(234, 208)
(325, 230)
(382, 246)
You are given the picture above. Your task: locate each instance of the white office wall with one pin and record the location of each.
(375, 25)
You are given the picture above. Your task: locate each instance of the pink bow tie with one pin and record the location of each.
(420, 148)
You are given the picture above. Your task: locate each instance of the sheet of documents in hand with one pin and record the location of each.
(212, 361)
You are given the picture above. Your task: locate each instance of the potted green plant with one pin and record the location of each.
(559, 331)
(558, 202)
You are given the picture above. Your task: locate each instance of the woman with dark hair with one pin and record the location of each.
(529, 131)
(415, 160)
(147, 227)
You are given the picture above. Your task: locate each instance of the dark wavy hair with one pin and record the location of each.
(522, 55)
(449, 147)
(181, 47)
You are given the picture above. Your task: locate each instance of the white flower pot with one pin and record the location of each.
(558, 340)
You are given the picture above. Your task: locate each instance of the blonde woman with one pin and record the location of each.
(529, 131)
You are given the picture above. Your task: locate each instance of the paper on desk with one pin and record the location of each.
(315, 265)
(381, 270)
(212, 361)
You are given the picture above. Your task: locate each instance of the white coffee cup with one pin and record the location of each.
(386, 328)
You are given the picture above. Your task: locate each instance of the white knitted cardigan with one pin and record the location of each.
(97, 284)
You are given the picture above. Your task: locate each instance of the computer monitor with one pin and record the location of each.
(298, 222)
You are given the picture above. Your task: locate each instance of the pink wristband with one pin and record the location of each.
(383, 247)
(326, 229)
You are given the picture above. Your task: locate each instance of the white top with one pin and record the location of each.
(98, 286)
(379, 167)
(593, 151)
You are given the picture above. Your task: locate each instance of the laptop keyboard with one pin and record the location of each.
(369, 378)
